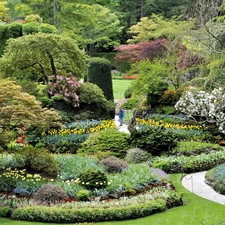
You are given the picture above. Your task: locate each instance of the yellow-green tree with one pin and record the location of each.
(22, 109)
(3, 10)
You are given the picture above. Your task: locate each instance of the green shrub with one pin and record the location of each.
(128, 92)
(137, 155)
(3, 37)
(154, 140)
(92, 99)
(11, 161)
(50, 194)
(155, 92)
(30, 28)
(48, 28)
(33, 18)
(99, 73)
(130, 103)
(39, 160)
(194, 148)
(15, 30)
(113, 164)
(189, 164)
(88, 214)
(5, 211)
(83, 195)
(93, 179)
(6, 137)
(106, 140)
(168, 110)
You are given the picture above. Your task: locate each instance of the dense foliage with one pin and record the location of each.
(99, 73)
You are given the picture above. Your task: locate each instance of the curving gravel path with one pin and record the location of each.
(195, 183)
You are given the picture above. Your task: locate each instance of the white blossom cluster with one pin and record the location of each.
(209, 107)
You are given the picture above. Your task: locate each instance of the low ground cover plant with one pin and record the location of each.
(216, 178)
(189, 164)
(195, 148)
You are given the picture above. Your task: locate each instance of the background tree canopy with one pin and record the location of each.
(36, 57)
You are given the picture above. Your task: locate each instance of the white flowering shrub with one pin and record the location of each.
(204, 107)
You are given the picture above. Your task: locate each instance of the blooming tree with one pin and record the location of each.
(204, 107)
(66, 87)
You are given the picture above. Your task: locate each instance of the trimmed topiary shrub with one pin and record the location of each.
(93, 179)
(104, 141)
(154, 140)
(113, 164)
(15, 30)
(48, 28)
(50, 194)
(99, 73)
(137, 155)
(56, 214)
(39, 160)
(31, 28)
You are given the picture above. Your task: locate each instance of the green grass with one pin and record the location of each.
(119, 87)
(195, 211)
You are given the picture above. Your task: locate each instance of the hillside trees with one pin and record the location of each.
(36, 57)
(93, 27)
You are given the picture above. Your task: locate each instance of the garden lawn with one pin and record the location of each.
(195, 211)
(119, 87)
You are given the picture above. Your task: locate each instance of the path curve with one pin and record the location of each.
(195, 183)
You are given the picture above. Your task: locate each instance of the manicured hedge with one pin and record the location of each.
(56, 214)
(190, 164)
(99, 73)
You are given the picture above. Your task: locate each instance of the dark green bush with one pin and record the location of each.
(155, 92)
(104, 141)
(113, 164)
(3, 37)
(93, 179)
(130, 103)
(5, 211)
(50, 194)
(15, 30)
(39, 160)
(128, 92)
(99, 73)
(74, 215)
(137, 155)
(154, 140)
(30, 28)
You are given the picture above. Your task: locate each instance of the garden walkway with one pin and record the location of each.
(121, 128)
(194, 182)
